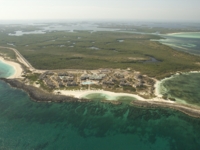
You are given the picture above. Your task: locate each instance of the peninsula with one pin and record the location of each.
(72, 85)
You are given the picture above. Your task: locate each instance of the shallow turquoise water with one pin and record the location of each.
(185, 87)
(195, 35)
(101, 96)
(87, 83)
(6, 70)
(187, 42)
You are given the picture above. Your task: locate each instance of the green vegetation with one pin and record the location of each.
(72, 88)
(33, 77)
(129, 88)
(44, 86)
(8, 53)
(53, 51)
(165, 96)
(95, 86)
(172, 99)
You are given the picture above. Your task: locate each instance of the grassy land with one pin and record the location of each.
(52, 51)
(8, 53)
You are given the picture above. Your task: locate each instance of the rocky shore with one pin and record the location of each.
(186, 109)
(114, 102)
(39, 95)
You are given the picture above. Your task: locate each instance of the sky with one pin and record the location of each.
(155, 10)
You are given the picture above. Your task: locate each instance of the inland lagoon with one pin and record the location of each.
(25, 124)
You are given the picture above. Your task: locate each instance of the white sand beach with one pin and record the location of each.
(157, 89)
(176, 33)
(82, 93)
(112, 95)
(16, 66)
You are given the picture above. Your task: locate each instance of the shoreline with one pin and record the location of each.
(82, 93)
(20, 58)
(157, 88)
(189, 110)
(17, 67)
(175, 33)
(38, 95)
(159, 82)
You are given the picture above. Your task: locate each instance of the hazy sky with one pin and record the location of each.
(175, 10)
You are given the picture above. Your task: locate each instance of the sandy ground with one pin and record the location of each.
(111, 95)
(180, 33)
(16, 66)
(157, 84)
(82, 93)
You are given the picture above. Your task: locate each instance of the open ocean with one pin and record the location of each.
(28, 125)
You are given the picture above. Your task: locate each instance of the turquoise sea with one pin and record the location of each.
(28, 125)
(185, 88)
(187, 41)
(6, 70)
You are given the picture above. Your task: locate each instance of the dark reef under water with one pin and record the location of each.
(25, 124)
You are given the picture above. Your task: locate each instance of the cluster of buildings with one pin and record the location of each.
(105, 78)
(93, 77)
(58, 80)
